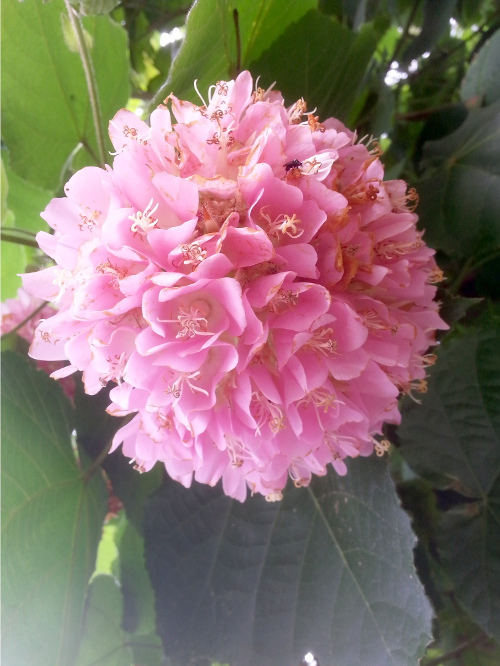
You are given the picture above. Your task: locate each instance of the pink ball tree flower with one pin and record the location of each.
(257, 293)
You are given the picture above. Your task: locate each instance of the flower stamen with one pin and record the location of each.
(192, 322)
(144, 222)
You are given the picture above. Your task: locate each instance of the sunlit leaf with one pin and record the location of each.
(91, 7)
(27, 201)
(139, 611)
(327, 570)
(13, 260)
(320, 60)
(51, 520)
(45, 121)
(13, 257)
(209, 50)
(103, 640)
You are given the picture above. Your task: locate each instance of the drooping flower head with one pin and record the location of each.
(257, 293)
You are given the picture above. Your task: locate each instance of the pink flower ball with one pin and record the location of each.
(257, 293)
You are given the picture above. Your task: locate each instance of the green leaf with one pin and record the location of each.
(327, 570)
(454, 308)
(469, 545)
(108, 556)
(208, 52)
(51, 520)
(27, 201)
(102, 637)
(455, 434)
(92, 7)
(104, 642)
(436, 23)
(13, 256)
(482, 81)
(459, 194)
(13, 259)
(45, 105)
(320, 60)
(6, 213)
(139, 611)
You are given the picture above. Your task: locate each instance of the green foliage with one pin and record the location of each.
(436, 21)
(51, 520)
(13, 257)
(46, 124)
(209, 59)
(332, 567)
(91, 7)
(464, 186)
(27, 201)
(320, 60)
(104, 641)
(481, 81)
(139, 612)
(453, 439)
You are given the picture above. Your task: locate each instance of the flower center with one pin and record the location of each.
(268, 412)
(191, 321)
(282, 224)
(117, 365)
(321, 342)
(144, 222)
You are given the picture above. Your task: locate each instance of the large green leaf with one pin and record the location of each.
(327, 570)
(103, 640)
(209, 51)
(320, 60)
(51, 520)
(13, 257)
(436, 23)
(27, 201)
(138, 598)
(454, 436)
(469, 544)
(482, 80)
(13, 261)
(460, 192)
(90, 7)
(45, 102)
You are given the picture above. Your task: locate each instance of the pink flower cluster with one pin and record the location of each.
(257, 293)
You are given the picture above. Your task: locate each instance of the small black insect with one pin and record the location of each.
(293, 164)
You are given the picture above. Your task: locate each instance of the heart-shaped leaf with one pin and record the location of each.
(209, 51)
(328, 570)
(46, 120)
(51, 520)
(454, 435)
(459, 194)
